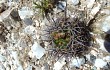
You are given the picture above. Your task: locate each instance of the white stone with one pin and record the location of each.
(95, 10)
(75, 2)
(25, 12)
(72, 2)
(105, 11)
(2, 1)
(106, 24)
(99, 63)
(90, 3)
(29, 30)
(107, 58)
(2, 67)
(20, 67)
(88, 57)
(37, 50)
(59, 64)
(37, 23)
(2, 58)
(101, 44)
(29, 68)
(77, 62)
(16, 61)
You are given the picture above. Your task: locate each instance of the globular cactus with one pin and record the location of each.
(70, 36)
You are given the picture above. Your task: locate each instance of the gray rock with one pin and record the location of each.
(28, 21)
(61, 5)
(14, 14)
(45, 67)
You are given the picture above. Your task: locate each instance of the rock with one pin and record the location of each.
(45, 66)
(107, 58)
(106, 24)
(37, 50)
(59, 64)
(29, 30)
(2, 1)
(105, 11)
(61, 5)
(2, 38)
(77, 62)
(3, 7)
(101, 44)
(90, 58)
(14, 14)
(95, 10)
(20, 68)
(16, 60)
(103, 25)
(25, 12)
(99, 63)
(75, 2)
(2, 58)
(90, 3)
(6, 13)
(2, 67)
(29, 67)
(28, 21)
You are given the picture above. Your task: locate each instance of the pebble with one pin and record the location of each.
(75, 2)
(46, 66)
(101, 44)
(2, 67)
(59, 64)
(107, 58)
(16, 60)
(77, 62)
(91, 58)
(99, 63)
(29, 30)
(14, 14)
(29, 67)
(6, 13)
(105, 11)
(106, 24)
(28, 21)
(90, 3)
(95, 10)
(37, 50)
(2, 1)
(2, 58)
(25, 12)
(62, 5)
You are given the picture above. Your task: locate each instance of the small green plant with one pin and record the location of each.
(61, 39)
(45, 7)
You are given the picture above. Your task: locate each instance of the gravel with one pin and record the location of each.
(22, 45)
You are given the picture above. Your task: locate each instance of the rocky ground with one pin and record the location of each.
(21, 34)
